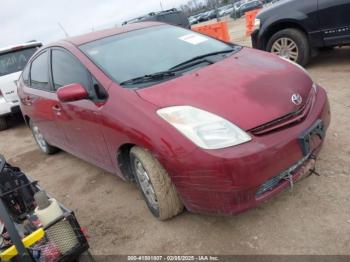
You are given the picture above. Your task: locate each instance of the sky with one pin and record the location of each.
(25, 20)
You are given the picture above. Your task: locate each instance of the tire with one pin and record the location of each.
(298, 38)
(3, 123)
(168, 203)
(44, 146)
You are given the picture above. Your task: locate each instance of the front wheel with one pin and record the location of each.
(40, 140)
(155, 184)
(292, 44)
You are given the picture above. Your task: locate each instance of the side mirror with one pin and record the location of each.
(73, 92)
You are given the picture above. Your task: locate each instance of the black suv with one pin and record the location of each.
(171, 16)
(297, 29)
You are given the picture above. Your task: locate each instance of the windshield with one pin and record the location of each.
(147, 51)
(15, 61)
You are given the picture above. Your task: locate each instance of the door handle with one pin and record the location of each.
(56, 108)
(28, 100)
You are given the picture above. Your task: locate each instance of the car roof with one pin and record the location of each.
(90, 37)
(19, 47)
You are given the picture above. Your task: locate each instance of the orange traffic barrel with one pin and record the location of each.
(217, 30)
(249, 21)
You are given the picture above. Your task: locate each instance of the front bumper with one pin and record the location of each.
(229, 181)
(8, 108)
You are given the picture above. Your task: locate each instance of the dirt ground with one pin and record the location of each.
(313, 219)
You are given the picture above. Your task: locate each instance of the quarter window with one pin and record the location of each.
(68, 70)
(39, 78)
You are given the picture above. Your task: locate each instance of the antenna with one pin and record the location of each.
(161, 5)
(64, 31)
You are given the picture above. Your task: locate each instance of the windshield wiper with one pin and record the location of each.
(194, 59)
(149, 77)
(173, 71)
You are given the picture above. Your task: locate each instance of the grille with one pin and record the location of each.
(284, 121)
(277, 180)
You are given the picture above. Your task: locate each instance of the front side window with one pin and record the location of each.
(148, 51)
(39, 73)
(67, 70)
(15, 61)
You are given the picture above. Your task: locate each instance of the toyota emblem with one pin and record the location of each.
(297, 99)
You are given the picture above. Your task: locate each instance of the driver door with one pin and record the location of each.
(82, 120)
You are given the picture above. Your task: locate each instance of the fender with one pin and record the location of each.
(279, 17)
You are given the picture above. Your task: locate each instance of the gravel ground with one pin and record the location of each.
(313, 219)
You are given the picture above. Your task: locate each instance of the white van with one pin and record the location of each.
(12, 61)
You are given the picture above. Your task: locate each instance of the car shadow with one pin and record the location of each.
(338, 56)
(15, 120)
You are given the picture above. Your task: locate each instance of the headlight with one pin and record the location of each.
(257, 23)
(204, 129)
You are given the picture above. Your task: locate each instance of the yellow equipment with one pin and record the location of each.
(28, 241)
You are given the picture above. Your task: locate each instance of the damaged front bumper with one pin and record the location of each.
(231, 180)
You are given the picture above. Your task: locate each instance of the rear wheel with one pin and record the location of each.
(292, 44)
(40, 140)
(3, 123)
(155, 185)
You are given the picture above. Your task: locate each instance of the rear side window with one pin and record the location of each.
(67, 70)
(39, 77)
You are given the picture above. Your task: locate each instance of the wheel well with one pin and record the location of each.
(123, 158)
(278, 27)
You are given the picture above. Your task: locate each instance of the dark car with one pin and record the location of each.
(193, 19)
(202, 17)
(171, 16)
(248, 6)
(209, 15)
(297, 29)
(146, 102)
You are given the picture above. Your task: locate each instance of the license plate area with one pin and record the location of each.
(312, 138)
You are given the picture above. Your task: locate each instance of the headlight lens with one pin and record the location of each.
(257, 23)
(204, 129)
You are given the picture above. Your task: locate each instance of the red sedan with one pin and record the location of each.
(196, 122)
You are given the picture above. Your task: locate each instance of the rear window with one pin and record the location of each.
(15, 61)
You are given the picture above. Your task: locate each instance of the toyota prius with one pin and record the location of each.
(197, 123)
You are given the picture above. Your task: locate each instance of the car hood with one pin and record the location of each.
(250, 88)
(8, 87)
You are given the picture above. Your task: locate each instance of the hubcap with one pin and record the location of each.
(39, 138)
(146, 185)
(286, 48)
